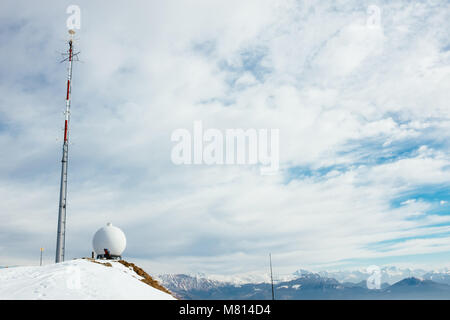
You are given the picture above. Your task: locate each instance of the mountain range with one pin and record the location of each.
(415, 284)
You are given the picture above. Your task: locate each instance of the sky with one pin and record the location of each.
(358, 90)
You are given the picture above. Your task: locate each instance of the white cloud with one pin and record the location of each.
(342, 95)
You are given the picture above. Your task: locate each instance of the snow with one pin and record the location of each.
(76, 279)
(236, 279)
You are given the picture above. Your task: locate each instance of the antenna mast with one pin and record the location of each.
(61, 236)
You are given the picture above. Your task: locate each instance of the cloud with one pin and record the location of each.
(362, 113)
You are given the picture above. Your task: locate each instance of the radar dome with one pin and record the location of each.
(110, 238)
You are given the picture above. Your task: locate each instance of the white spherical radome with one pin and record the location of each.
(111, 238)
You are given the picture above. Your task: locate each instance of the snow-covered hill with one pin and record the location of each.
(77, 279)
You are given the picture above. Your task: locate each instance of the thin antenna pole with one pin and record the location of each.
(61, 236)
(271, 276)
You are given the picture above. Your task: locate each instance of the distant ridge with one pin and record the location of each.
(306, 286)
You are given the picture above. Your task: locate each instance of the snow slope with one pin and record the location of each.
(76, 279)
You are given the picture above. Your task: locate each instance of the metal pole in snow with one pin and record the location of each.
(271, 276)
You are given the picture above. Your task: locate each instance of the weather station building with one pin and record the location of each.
(109, 242)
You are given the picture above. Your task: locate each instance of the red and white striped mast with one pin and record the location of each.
(61, 235)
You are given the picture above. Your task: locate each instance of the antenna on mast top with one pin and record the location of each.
(71, 55)
(72, 33)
